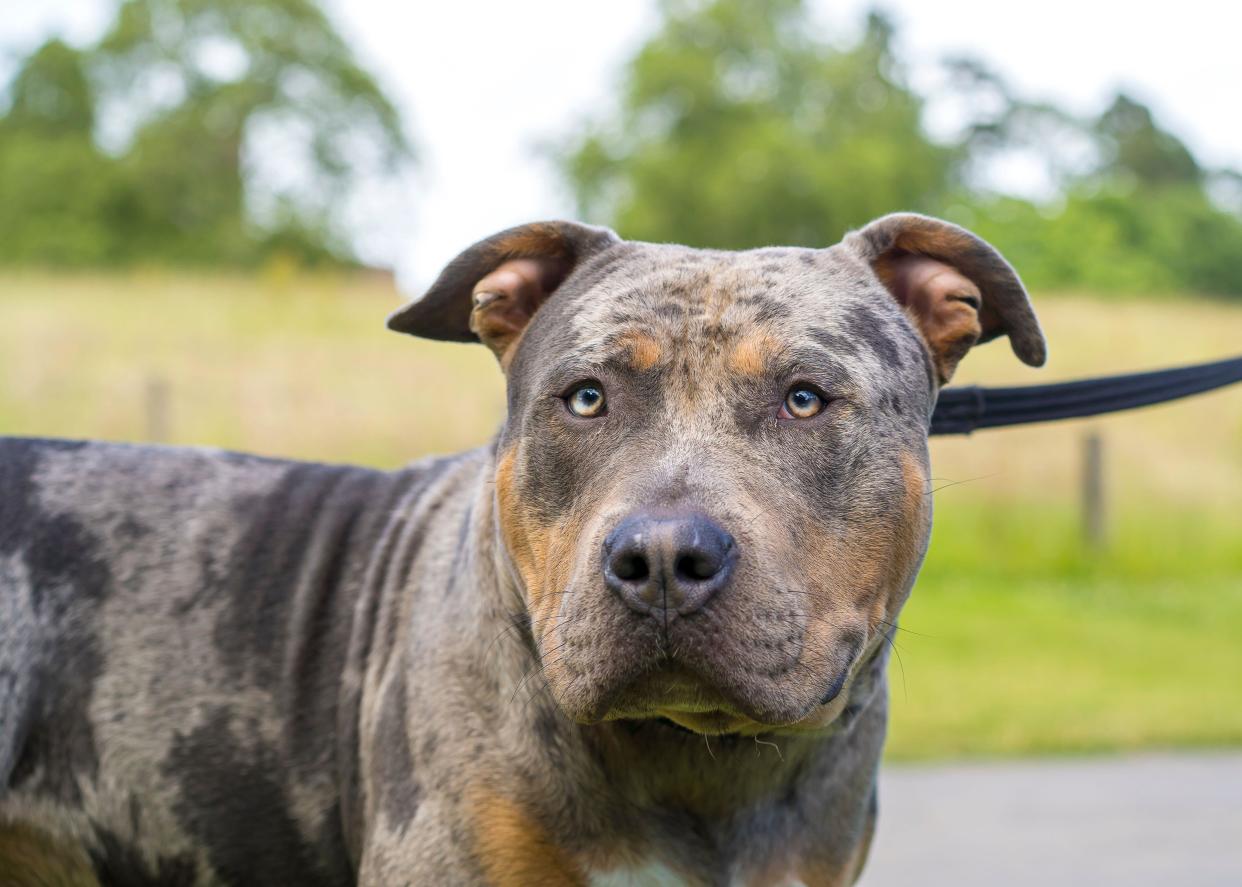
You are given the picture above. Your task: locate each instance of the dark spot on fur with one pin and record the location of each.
(764, 307)
(230, 799)
(57, 549)
(400, 791)
(671, 310)
(877, 333)
(46, 684)
(550, 732)
(295, 549)
(287, 620)
(834, 343)
(118, 864)
(624, 318)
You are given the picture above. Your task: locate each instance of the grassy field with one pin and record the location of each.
(1018, 639)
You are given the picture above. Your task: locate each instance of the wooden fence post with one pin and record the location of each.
(1094, 519)
(155, 409)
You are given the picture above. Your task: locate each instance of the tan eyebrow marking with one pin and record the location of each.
(753, 353)
(645, 351)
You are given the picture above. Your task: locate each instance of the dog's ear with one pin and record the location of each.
(490, 292)
(957, 288)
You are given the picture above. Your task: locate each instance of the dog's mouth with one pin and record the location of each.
(675, 693)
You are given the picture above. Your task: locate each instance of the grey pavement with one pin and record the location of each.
(1173, 820)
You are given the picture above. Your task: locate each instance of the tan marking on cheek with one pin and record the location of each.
(514, 849)
(846, 573)
(560, 543)
(843, 566)
(543, 554)
(855, 578)
(909, 540)
(909, 533)
(917, 498)
(842, 575)
(526, 541)
(506, 499)
(752, 354)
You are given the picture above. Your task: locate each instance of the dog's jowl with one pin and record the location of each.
(639, 638)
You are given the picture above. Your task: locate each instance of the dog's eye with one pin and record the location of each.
(586, 401)
(801, 403)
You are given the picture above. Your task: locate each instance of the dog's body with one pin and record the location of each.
(221, 669)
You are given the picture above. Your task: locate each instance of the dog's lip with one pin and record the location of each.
(715, 722)
(675, 693)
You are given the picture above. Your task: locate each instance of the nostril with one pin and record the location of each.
(630, 567)
(697, 566)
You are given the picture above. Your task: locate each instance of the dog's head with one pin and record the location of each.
(713, 482)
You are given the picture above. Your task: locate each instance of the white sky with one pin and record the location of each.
(483, 83)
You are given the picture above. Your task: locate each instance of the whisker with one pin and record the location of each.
(958, 483)
(759, 742)
(896, 627)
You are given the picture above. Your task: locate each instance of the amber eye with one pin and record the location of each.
(586, 401)
(801, 403)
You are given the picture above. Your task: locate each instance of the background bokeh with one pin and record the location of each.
(203, 203)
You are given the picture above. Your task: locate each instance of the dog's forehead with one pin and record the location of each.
(752, 305)
(666, 284)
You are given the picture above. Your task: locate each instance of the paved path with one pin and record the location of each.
(1167, 820)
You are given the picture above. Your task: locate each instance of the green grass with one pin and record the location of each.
(1017, 639)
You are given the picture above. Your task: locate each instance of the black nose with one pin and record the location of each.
(665, 563)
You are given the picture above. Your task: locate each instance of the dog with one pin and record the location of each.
(639, 638)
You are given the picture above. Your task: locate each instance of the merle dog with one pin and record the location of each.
(638, 638)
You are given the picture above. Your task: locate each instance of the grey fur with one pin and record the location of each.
(221, 669)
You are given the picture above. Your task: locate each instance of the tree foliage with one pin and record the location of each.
(233, 129)
(737, 126)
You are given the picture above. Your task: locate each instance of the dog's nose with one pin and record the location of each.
(665, 563)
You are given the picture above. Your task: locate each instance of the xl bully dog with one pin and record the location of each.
(639, 638)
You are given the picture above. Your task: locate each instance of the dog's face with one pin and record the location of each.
(713, 480)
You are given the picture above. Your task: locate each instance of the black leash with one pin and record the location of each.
(964, 409)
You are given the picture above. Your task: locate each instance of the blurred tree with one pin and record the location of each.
(231, 96)
(1133, 146)
(1132, 210)
(60, 190)
(738, 127)
(236, 128)
(51, 95)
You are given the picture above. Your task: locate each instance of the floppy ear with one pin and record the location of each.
(957, 288)
(492, 290)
